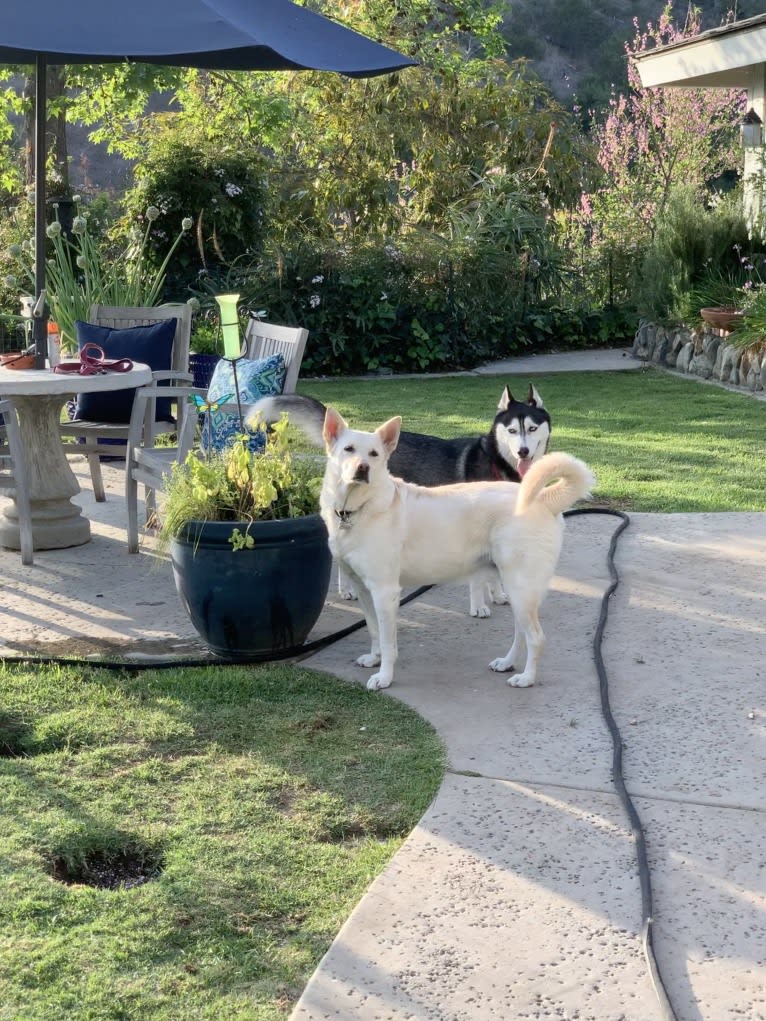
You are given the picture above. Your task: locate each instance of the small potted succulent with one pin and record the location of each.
(248, 547)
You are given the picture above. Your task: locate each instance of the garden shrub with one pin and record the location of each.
(411, 306)
(223, 190)
(693, 246)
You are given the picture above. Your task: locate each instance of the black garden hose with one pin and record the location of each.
(644, 874)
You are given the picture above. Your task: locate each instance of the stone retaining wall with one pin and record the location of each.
(701, 351)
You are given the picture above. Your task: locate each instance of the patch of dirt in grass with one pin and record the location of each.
(109, 870)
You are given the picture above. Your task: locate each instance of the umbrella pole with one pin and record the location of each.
(40, 320)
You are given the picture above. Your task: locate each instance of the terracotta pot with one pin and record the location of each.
(17, 360)
(722, 317)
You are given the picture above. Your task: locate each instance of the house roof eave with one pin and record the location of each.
(721, 58)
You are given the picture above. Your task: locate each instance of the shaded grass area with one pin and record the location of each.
(270, 796)
(656, 442)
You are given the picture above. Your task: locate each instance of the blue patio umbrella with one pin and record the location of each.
(237, 35)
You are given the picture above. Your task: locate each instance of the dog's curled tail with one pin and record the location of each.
(572, 481)
(304, 412)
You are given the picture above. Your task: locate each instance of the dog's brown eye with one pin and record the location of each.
(374, 453)
(532, 429)
(349, 449)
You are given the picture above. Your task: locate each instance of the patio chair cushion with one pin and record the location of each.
(152, 345)
(256, 378)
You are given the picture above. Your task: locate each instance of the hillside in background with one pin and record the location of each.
(577, 46)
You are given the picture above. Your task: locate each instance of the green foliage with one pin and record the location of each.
(221, 187)
(694, 255)
(206, 334)
(238, 485)
(16, 226)
(85, 268)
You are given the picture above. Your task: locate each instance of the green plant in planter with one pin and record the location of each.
(240, 486)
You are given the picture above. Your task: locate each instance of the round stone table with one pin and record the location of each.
(39, 396)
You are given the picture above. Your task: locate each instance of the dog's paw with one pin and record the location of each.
(520, 681)
(377, 682)
(481, 611)
(347, 593)
(369, 659)
(499, 597)
(501, 665)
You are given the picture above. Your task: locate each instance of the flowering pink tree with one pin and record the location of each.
(653, 139)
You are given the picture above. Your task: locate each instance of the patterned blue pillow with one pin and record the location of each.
(260, 377)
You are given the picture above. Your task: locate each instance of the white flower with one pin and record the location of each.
(152, 213)
(10, 280)
(15, 251)
(384, 296)
(81, 261)
(315, 301)
(79, 224)
(194, 304)
(232, 190)
(77, 199)
(53, 229)
(319, 279)
(186, 223)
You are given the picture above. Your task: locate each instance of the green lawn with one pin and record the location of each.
(656, 442)
(268, 798)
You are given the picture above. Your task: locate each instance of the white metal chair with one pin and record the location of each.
(89, 433)
(264, 339)
(14, 478)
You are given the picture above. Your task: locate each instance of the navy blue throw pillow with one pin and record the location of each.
(152, 345)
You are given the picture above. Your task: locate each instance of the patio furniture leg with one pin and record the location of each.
(94, 463)
(56, 521)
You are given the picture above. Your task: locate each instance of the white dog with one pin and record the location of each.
(387, 533)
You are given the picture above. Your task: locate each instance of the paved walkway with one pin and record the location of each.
(517, 895)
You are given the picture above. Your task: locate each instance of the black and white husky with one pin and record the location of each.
(518, 437)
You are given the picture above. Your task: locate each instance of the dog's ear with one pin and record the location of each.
(389, 433)
(334, 425)
(506, 399)
(534, 398)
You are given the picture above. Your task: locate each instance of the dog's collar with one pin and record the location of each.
(344, 516)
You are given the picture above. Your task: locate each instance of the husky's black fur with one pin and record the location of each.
(420, 458)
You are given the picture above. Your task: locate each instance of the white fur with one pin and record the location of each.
(387, 534)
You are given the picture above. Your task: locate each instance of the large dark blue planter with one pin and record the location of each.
(253, 603)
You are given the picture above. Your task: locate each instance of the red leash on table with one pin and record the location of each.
(93, 362)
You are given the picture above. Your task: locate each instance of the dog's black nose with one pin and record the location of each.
(523, 453)
(362, 473)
